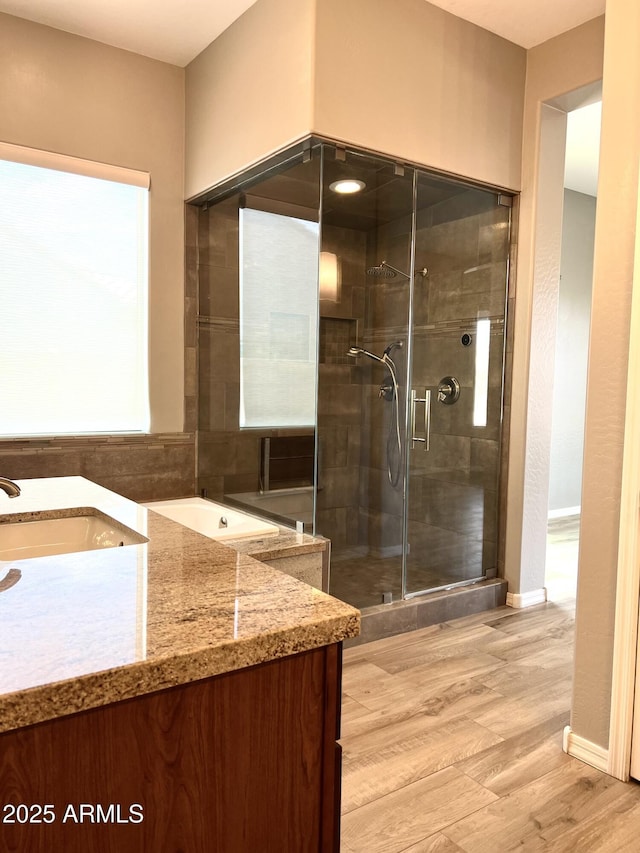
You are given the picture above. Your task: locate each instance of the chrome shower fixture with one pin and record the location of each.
(355, 352)
(385, 270)
(388, 392)
(393, 345)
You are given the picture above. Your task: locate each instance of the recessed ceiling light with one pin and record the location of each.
(347, 187)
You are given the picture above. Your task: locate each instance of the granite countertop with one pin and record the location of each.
(272, 546)
(86, 629)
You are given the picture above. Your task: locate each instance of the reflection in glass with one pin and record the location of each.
(278, 320)
(329, 276)
(481, 384)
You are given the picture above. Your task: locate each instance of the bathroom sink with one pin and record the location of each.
(43, 534)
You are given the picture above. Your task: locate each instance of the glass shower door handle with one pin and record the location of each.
(427, 418)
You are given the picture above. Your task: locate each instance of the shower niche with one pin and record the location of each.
(336, 335)
(374, 335)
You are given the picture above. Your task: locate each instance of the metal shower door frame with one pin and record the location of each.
(412, 395)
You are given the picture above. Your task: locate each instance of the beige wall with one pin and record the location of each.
(250, 92)
(542, 304)
(574, 61)
(564, 64)
(68, 94)
(403, 78)
(608, 359)
(408, 79)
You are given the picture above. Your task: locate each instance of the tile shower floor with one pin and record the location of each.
(452, 736)
(361, 579)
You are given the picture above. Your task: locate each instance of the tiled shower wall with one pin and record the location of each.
(228, 457)
(340, 392)
(453, 489)
(386, 321)
(508, 381)
(140, 467)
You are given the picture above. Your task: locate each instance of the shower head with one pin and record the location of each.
(382, 270)
(385, 270)
(393, 345)
(354, 352)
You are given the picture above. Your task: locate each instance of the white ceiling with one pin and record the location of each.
(173, 31)
(525, 22)
(177, 30)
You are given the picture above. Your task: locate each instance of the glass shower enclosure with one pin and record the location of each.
(398, 465)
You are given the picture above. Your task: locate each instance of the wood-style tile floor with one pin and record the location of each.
(452, 740)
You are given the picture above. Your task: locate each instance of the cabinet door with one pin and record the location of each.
(239, 763)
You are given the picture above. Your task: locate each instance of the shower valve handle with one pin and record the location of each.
(386, 392)
(427, 418)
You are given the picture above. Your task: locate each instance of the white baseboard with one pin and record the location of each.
(584, 750)
(526, 599)
(563, 512)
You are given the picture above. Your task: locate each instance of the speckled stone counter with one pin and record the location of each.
(297, 554)
(86, 629)
(286, 543)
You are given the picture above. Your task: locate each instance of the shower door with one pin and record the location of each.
(362, 373)
(455, 389)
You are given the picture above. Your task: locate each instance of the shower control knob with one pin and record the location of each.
(448, 390)
(385, 391)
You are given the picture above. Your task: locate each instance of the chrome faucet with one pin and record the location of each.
(8, 486)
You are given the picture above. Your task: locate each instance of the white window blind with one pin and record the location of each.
(278, 320)
(73, 297)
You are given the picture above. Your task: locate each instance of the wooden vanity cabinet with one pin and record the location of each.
(245, 762)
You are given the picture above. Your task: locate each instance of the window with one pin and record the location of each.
(73, 296)
(278, 320)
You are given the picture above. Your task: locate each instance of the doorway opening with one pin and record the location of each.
(571, 351)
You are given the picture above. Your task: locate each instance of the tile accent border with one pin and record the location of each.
(526, 599)
(38, 444)
(584, 750)
(141, 467)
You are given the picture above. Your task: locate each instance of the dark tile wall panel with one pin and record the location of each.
(453, 492)
(139, 467)
(340, 393)
(229, 459)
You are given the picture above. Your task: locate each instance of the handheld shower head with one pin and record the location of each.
(393, 345)
(355, 352)
(388, 391)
